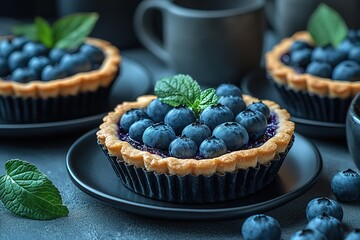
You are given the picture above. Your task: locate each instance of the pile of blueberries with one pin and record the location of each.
(340, 63)
(324, 215)
(226, 126)
(22, 60)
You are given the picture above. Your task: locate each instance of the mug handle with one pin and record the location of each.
(145, 29)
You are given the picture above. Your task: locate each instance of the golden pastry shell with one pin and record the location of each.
(242, 159)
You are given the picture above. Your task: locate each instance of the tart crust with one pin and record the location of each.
(286, 75)
(242, 159)
(81, 82)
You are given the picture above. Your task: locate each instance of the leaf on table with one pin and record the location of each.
(27, 192)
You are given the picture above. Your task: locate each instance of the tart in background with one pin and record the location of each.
(48, 80)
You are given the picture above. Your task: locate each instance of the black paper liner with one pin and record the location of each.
(197, 189)
(30, 110)
(307, 105)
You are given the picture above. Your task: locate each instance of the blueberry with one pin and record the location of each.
(212, 147)
(38, 63)
(130, 117)
(215, 115)
(347, 70)
(4, 69)
(308, 234)
(328, 54)
(320, 69)
(183, 147)
(354, 54)
(19, 42)
(137, 129)
(352, 35)
(52, 72)
(94, 53)
(157, 110)
(235, 103)
(261, 226)
(178, 118)
(56, 54)
(23, 75)
(254, 122)
(6, 48)
(32, 49)
(197, 132)
(321, 205)
(227, 89)
(346, 186)
(301, 57)
(233, 134)
(75, 63)
(17, 60)
(329, 226)
(298, 45)
(261, 107)
(158, 136)
(346, 45)
(353, 235)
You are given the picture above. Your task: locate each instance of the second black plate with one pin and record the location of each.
(257, 85)
(91, 172)
(135, 80)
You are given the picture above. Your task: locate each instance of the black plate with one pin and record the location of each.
(257, 85)
(91, 172)
(134, 80)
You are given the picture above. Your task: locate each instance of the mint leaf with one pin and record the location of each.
(28, 30)
(178, 90)
(326, 26)
(208, 98)
(27, 192)
(44, 32)
(71, 31)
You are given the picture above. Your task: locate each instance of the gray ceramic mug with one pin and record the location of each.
(353, 129)
(213, 41)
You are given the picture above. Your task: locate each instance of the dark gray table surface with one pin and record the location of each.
(92, 219)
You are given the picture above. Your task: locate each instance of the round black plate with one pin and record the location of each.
(91, 172)
(134, 80)
(257, 85)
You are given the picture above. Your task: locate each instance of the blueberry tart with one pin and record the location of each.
(43, 81)
(209, 154)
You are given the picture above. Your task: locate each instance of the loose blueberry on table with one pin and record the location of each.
(22, 60)
(319, 206)
(261, 226)
(184, 131)
(346, 186)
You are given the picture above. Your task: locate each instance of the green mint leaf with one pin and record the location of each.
(27, 192)
(326, 26)
(207, 98)
(44, 32)
(71, 31)
(178, 90)
(28, 30)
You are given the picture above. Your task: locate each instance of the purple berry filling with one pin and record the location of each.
(272, 126)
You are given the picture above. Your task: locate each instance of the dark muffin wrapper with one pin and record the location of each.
(313, 107)
(30, 110)
(197, 189)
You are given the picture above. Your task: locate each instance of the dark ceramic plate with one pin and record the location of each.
(257, 85)
(91, 172)
(134, 80)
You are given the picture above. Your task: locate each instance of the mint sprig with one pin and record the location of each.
(183, 90)
(326, 26)
(65, 33)
(27, 192)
